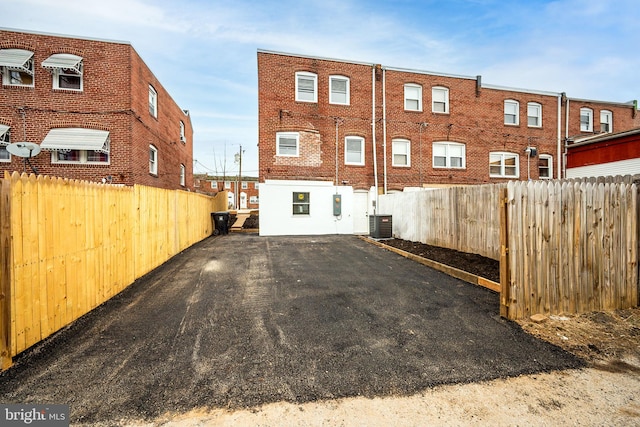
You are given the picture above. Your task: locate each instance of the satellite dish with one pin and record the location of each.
(23, 149)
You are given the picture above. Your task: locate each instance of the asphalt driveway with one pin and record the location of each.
(242, 320)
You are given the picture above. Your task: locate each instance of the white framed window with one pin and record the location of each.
(606, 121)
(339, 90)
(401, 152)
(545, 166)
(153, 102)
(287, 144)
(227, 185)
(79, 156)
(504, 165)
(534, 115)
(5, 139)
(511, 112)
(256, 185)
(440, 99)
(183, 175)
(301, 203)
(449, 155)
(586, 120)
(306, 87)
(16, 66)
(67, 78)
(412, 97)
(153, 160)
(183, 138)
(354, 150)
(214, 185)
(244, 185)
(254, 200)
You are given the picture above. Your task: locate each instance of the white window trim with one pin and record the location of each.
(244, 185)
(314, 77)
(354, 138)
(227, 185)
(256, 185)
(448, 156)
(445, 91)
(153, 102)
(405, 142)
(609, 115)
(503, 155)
(517, 106)
(413, 86)
(153, 164)
(6, 74)
(589, 113)
(295, 135)
(348, 90)
(539, 116)
(550, 163)
(58, 72)
(5, 139)
(83, 159)
(183, 175)
(183, 138)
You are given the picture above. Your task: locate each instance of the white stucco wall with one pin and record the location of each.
(276, 209)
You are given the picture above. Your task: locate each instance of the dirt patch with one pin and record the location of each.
(471, 263)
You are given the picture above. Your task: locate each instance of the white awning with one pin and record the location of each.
(3, 129)
(64, 139)
(64, 60)
(16, 59)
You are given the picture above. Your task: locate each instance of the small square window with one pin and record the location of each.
(412, 97)
(354, 150)
(440, 103)
(545, 166)
(339, 90)
(306, 87)
(511, 112)
(504, 165)
(586, 120)
(606, 121)
(21, 71)
(67, 78)
(301, 203)
(287, 144)
(244, 185)
(401, 152)
(534, 115)
(227, 185)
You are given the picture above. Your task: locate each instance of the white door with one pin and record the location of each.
(243, 200)
(360, 212)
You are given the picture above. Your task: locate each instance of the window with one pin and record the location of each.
(504, 165)
(440, 103)
(214, 185)
(183, 138)
(256, 185)
(5, 139)
(244, 185)
(534, 115)
(606, 121)
(448, 155)
(254, 200)
(300, 203)
(354, 150)
(16, 66)
(227, 185)
(545, 166)
(183, 175)
(306, 87)
(412, 97)
(586, 120)
(66, 69)
(287, 144)
(79, 156)
(153, 160)
(153, 102)
(339, 90)
(511, 112)
(401, 152)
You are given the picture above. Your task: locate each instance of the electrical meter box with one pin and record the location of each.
(337, 204)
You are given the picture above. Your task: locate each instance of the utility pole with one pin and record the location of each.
(239, 181)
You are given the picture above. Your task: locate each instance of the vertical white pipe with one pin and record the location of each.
(384, 128)
(559, 136)
(373, 131)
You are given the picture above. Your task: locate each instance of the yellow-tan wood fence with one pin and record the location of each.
(67, 246)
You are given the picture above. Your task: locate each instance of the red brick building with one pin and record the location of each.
(243, 192)
(95, 109)
(367, 127)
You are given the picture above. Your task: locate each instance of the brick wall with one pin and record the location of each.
(475, 119)
(115, 87)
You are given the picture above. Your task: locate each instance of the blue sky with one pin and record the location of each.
(204, 51)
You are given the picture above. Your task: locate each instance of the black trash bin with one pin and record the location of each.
(220, 222)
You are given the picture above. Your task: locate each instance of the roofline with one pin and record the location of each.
(515, 89)
(606, 137)
(430, 73)
(41, 33)
(595, 101)
(297, 55)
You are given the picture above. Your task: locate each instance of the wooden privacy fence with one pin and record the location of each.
(67, 246)
(463, 218)
(568, 247)
(564, 246)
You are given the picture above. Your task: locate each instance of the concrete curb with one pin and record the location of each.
(451, 271)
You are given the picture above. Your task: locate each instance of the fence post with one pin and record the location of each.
(504, 252)
(5, 274)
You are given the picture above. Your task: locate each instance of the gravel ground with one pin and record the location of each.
(238, 322)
